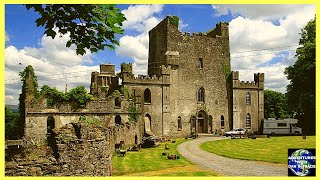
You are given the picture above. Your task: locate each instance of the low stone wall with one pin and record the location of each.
(76, 149)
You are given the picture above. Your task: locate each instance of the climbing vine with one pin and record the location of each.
(134, 113)
(174, 20)
(226, 70)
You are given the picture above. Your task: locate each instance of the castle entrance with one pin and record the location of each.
(202, 122)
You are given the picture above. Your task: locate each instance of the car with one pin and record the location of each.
(236, 131)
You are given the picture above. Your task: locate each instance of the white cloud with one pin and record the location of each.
(140, 18)
(54, 65)
(265, 12)
(255, 30)
(137, 16)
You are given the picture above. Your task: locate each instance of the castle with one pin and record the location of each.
(189, 88)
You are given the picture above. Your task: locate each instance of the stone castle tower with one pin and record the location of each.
(189, 87)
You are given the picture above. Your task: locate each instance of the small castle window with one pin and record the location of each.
(147, 96)
(248, 121)
(248, 98)
(117, 120)
(200, 63)
(200, 95)
(117, 102)
(179, 123)
(222, 122)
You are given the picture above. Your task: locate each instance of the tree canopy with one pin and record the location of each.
(275, 105)
(301, 89)
(91, 27)
(13, 125)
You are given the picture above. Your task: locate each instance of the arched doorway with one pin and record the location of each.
(50, 124)
(147, 125)
(202, 122)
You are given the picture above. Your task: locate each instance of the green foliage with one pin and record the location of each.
(78, 95)
(126, 93)
(90, 121)
(90, 27)
(134, 113)
(13, 125)
(174, 20)
(226, 70)
(275, 105)
(29, 90)
(301, 89)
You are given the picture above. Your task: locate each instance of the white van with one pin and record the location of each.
(281, 126)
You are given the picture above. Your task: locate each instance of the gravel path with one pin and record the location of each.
(227, 166)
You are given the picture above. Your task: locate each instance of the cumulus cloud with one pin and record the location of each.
(263, 38)
(54, 65)
(141, 19)
(140, 16)
(265, 12)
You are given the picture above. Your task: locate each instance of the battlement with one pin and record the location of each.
(258, 82)
(141, 79)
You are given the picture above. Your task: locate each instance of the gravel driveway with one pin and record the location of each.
(227, 166)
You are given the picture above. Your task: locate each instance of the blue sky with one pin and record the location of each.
(262, 39)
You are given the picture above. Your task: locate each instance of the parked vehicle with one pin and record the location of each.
(288, 126)
(237, 131)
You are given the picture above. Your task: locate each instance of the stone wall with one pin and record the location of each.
(76, 149)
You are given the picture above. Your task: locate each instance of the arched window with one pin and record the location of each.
(248, 98)
(117, 102)
(200, 63)
(248, 121)
(117, 119)
(200, 95)
(222, 122)
(179, 123)
(147, 96)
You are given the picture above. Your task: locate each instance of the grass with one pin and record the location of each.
(274, 149)
(150, 162)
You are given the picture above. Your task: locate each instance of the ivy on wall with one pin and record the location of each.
(174, 20)
(134, 113)
(226, 70)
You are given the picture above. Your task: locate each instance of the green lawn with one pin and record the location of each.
(150, 162)
(274, 149)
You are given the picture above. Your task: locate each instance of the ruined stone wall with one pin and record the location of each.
(76, 149)
(65, 112)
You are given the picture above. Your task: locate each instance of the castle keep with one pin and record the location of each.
(189, 88)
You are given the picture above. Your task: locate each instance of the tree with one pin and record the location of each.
(13, 127)
(91, 27)
(301, 89)
(275, 105)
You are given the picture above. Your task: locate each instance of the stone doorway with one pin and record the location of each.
(202, 122)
